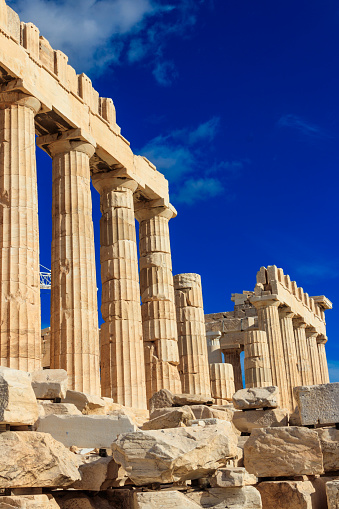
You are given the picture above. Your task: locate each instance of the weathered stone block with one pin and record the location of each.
(288, 495)
(281, 452)
(329, 441)
(175, 454)
(246, 497)
(172, 419)
(28, 502)
(246, 421)
(231, 477)
(93, 472)
(169, 499)
(86, 403)
(30, 459)
(18, 405)
(58, 408)
(49, 383)
(256, 397)
(332, 492)
(318, 404)
(86, 430)
(161, 399)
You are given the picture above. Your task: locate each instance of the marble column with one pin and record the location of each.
(194, 366)
(222, 383)
(325, 379)
(232, 356)
(290, 353)
(268, 320)
(213, 347)
(20, 332)
(304, 363)
(74, 308)
(257, 360)
(122, 351)
(311, 336)
(157, 296)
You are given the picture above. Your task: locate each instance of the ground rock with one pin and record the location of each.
(246, 421)
(161, 399)
(93, 471)
(246, 497)
(174, 454)
(86, 430)
(280, 452)
(172, 419)
(86, 403)
(28, 502)
(49, 383)
(58, 409)
(318, 404)
(18, 405)
(163, 499)
(256, 397)
(332, 491)
(231, 477)
(35, 460)
(329, 441)
(288, 495)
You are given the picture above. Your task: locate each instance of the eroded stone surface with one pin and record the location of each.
(246, 497)
(18, 404)
(172, 419)
(49, 383)
(256, 397)
(58, 409)
(318, 404)
(332, 492)
(231, 477)
(287, 495)
(93, 472)
(246, 421)
(329, 440)
(280, 452)
(28, 502)
(86, 403)
(167, 499)
(30, 459)
(175, 454)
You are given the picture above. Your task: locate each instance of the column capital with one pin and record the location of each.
(63, 142)
(299, 323)
(265, 301)
(147, 209)
(286, 312)
(322, 340)
(8, 99)
(311, 332)
(109, 182)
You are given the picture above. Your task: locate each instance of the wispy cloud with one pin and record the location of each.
(313, 271)
(299, 124)
(185, 155)
(96, 33)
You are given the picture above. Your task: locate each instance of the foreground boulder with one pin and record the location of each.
(256, 397)
(49, 383)
(231, 498)
(246, 421)
(86, 403)
(175, 454)
(318, 404)
(35, 460)
(28, 502)
(172, 419)
(288, 495)
(18, 405)
(86, 430)
(282, 452)
(93, 472)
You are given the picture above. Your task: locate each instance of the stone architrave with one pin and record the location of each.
(232, 356)
(222, 382)
(74, 308)
(122, 350)
(20, 332)
(257, 361)
(311, 336)
(268, 320)
(290, 353)
(325, 379)
(304, 362)
(157, 296)
(194, 367)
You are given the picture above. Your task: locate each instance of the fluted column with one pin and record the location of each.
(268, 320)
(213, 347)
(194, 367)
(157, 296)
(325, 379)
(290, 353)
(74, 309)
(257, 361)
(311, 336)
(232, 356)
(20, 333)
(222, 382)
(122, 352)
(304, 363)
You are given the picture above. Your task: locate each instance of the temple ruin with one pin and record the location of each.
(154, 409)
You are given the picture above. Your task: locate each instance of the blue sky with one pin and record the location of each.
(237, 103)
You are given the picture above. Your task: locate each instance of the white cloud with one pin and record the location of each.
(185, 156)
(95, 33)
